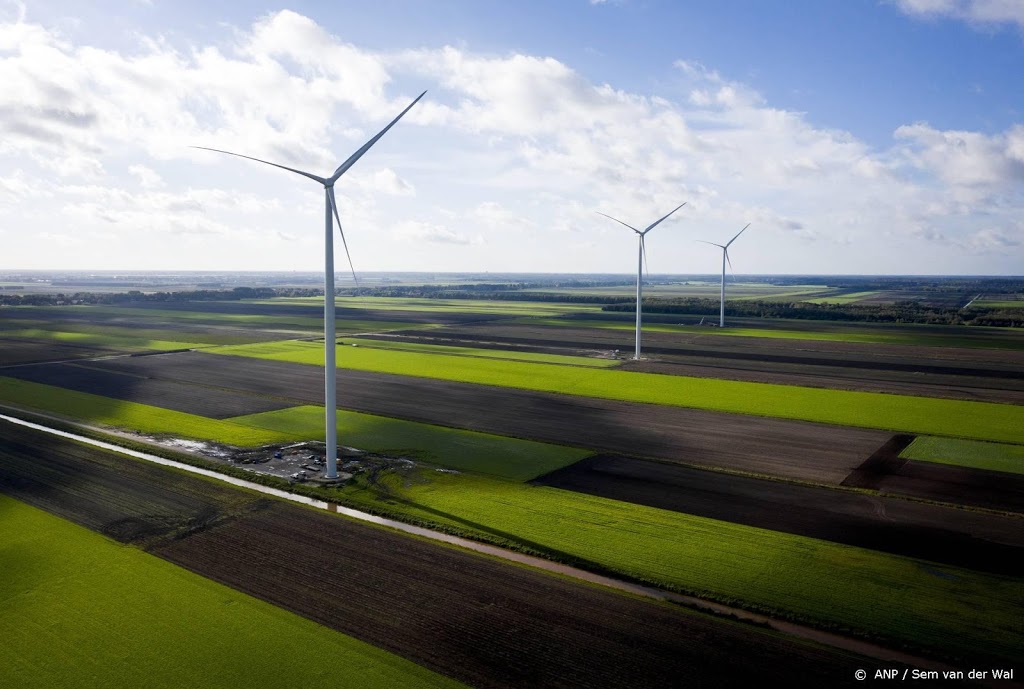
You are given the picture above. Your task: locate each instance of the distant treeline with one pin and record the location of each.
(135, 296)
(907, 311)
(897, 312)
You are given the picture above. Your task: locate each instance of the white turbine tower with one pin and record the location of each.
(725, 257)
(640, 261)
(330, 207)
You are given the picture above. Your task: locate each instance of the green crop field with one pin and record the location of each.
(475, 306)
(79, 610)
(874, 335)
(924, 415)
(956, 611)
(967, 453)
(131, 415)
(848, 298)
(121, 342)
(485, 353)
(204, 334)
(511, 458)
(312, 322)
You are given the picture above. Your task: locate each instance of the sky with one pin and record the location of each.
(855, 136)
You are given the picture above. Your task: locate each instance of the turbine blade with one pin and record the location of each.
(334, 207)
(366, 147)
(658, 222)
(711, 243)
(619, 221)
(729, 261)
(737, 234)
(266, 162)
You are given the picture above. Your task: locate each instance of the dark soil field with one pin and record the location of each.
(948, 535)
(474, 618)
(793, 449)
(192, 398)
(963, 373)
(17, 351)
(887, 472)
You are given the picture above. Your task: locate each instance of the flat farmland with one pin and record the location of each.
(949, 535)
(971, 373)
(80, 610)
(466, 616)
(794, 449)
(201, 400)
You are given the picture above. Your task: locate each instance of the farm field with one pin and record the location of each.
(81, 610)
(979, 420)
(448, 610)
(850, 334)
(506, 401)
(967, 453)
(752, 444)
(456, 449)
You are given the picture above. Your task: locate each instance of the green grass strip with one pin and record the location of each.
(121, 342)
(975, 339)
(967, 453)
(848, 298)
(79, 610)
(485, 353)
(922, 415)
(519, 460)
(131, 415)
(475, 306)
(843, 587)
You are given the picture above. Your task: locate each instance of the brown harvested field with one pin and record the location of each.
(779, 447)
(193, 398)
(963, 373)
(474, 618)
(949, 535)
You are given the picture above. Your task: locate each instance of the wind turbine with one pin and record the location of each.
(640, 261)
(725, 257)
(330, 207)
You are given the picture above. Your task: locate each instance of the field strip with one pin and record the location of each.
(132, 415)
(795, 630)
(563, 359)
(861, 337)
(78, 609)
(97, 340)
(486, 453)
(967, 453)
(900, 413)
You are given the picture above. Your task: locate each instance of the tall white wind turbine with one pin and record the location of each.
(725, 257)
(330, 207)
(640, 260)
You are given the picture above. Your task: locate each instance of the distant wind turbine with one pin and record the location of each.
(330, 207)
(725, 257)
(640, 261)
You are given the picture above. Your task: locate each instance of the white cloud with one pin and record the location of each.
(148, 178)
(505, 152)
(972, 11)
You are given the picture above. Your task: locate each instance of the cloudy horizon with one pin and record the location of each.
(524, 134)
